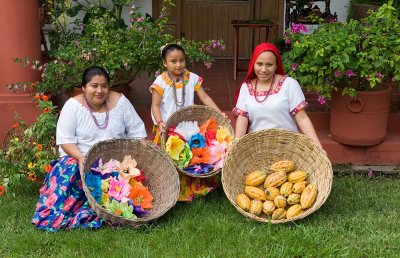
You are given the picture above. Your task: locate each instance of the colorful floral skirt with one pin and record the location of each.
(62, 202)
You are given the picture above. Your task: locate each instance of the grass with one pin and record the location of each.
(359, 219)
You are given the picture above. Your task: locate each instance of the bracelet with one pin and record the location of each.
(158, 123)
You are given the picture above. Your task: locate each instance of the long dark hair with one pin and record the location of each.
(92, 71)
(170, 48)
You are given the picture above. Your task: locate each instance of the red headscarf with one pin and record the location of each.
(257, 51)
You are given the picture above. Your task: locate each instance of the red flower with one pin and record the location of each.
(46, 110)
(45, 98)
(37, 96)
(2, 190)
(40, 147)
(15, 125)
(210, 136)
(48, 168)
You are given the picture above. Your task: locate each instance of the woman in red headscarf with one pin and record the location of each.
(268, 98)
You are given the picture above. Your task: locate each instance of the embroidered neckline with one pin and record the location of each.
(265, 92)
(178, 85)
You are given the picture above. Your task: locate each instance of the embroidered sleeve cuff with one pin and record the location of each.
(157, 88)
(198, 84)
(298, 108)
(240, 112)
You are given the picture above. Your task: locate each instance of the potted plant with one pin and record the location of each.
(350, 58)
(102, 38)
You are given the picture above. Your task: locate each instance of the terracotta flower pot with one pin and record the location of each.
(361, 121)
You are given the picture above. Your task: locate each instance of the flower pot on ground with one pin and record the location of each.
(336, 53)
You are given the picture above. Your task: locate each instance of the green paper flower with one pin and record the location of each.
(185, 156)
(120, 209)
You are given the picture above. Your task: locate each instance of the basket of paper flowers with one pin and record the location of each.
(196, 139)
(276, 176)
(129, 181)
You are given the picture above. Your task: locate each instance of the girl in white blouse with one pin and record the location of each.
(268, 98)
(96, 114)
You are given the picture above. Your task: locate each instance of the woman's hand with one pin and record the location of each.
(162, 126)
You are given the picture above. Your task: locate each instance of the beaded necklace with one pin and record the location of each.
(268, 92)
(105, 123)
(182, 102)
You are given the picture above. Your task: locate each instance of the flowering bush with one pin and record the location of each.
(336, 53)
(100, 39)
(32, 149)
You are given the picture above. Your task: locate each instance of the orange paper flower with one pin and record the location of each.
(211, 124)
(141, 196)
(200, 155)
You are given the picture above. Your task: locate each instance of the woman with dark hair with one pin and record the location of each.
(268, 98)
(94, 115)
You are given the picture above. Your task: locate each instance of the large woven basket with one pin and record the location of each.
(258, 150)
(200, 114)
(162, 177)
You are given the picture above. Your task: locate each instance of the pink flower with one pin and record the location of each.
(106, 168)
(44, 223)
(287, 41)
(71, 161)
(119, 189)
(321, 100)
(44, 213)
(378, 75)
(294, 67)
(68, 203)
(78, 206)
(298, 28)
(217, 153)
(51, 200)
(349, 73)
(222, 47)
(207, 65)
(337, 73)
(58, 221)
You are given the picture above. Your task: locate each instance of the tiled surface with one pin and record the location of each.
(219, 84)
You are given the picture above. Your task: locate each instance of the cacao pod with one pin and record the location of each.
(255, 178)
(286, 189)
(280, 201)
(299, 187)
(279, 214)
(268, 207)
(297, 176)
(255, 193)
(275, 179)
(294, 211)
(308, 196)
(294, 198)
(256, 207)
(282, 165)
(271, 193)
(243, 201)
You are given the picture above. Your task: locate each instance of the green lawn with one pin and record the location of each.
(359, 219)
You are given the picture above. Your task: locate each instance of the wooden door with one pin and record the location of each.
(212, 19)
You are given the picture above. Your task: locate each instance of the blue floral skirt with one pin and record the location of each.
(62, 202)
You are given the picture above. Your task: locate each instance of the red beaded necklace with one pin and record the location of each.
(268, 92)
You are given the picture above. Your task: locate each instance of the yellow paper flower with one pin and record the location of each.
(105, 184)
(174, 146)
(105, 198)
(223, 135)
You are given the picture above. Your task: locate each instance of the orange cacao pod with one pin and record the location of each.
(275, 179)
(299, 187)
(271, 193)
(286, 189)
(268, 207)
(243, 201)
(308, 196)
(280, 201)
(279, 214)
(297, 176)
(255, 193)
(293, 198)
(282, 165)
(294, 211)
(255, 178)
(256, 207)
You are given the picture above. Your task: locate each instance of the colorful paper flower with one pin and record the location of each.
(105, 185)
(120, 209)
(105, 198)
(187, 129)
(197, 141)
(127, 169)
(210, 124)
(210, 137)
(119, 189)
(140, 178)
(199, 168)
(93, 183)
(105, 168)
(185, 156)
(171, 131)
(174, 147)
(141, 196)
(217, 154)
(223, 135)
(200, 155)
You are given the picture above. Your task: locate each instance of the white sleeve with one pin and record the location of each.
(134, 126)
(296, 95)
(66, 125)
(240, 108)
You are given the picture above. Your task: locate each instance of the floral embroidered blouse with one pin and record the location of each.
(277, 111)
(164, 86)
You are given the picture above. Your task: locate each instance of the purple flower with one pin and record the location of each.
(349, 73)
(378, 75)
(370, 173)
(287, 41)
(201, 168)
(208, 48)
(207, 65)
(337, 73)
(298, 28)
(294, 67)
(321, 100)
(331, 20)
(222, 47)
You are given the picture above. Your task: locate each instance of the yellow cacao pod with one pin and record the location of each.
(299, 187)
(293, 198)
(279, 214)
(255, 178)
(275, 179)
(268, 207)
(286, 189)
(243, 201)
(297, 176)
(256, 207)
(308, 196)
(280, 201)
(271, 193)
(294, 211)
(282, 165)
(255, 193)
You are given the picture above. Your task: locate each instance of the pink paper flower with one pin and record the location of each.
(217, 154)
(119, 189)
(106, 168)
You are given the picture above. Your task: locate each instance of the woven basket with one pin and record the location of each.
(162, 177)
(200, 114)
(258, 150)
